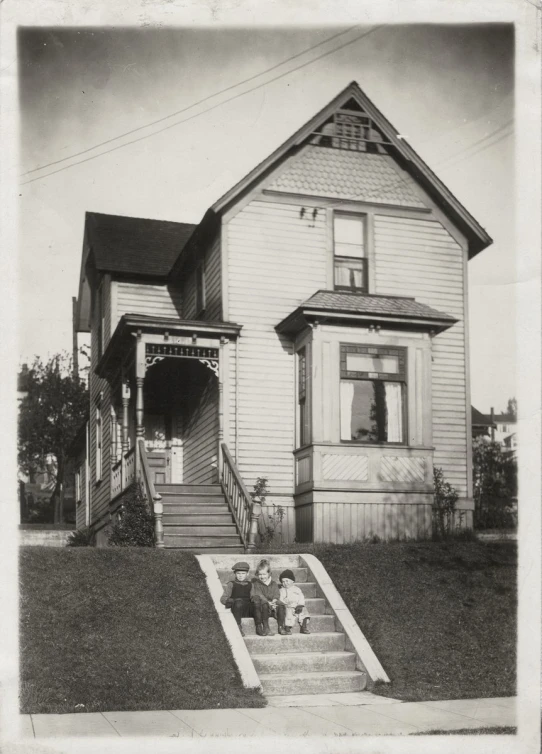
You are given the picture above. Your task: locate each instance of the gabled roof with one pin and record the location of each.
(134, 245)
(479, 419)
(353, 307)
(409, 159)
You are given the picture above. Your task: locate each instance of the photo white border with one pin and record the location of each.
(526, 15)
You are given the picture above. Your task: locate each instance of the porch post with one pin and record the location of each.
(220, 405)
(140, 379)
(125, 439)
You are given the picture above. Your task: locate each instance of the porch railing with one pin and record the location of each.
(123, 473)
(245, 512)
(153, 497)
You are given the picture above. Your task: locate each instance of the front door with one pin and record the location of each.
(157, 445)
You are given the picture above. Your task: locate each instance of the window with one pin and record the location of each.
(373, 394)
(200, 290)
(304, 421)
(116, 440)
(350, 258)
(98, 443)
(78, 485)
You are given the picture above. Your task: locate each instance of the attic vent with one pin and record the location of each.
(348, 129)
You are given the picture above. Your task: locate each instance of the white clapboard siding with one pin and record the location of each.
(275, 261)
(200, 439)
(420, 258)
(213, 288)
(140, 298)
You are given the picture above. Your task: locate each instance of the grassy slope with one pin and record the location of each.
(441, 617)
(118, 629)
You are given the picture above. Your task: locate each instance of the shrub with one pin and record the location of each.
(82, 538)
(270, 527)
(445, 499)
(134, 526)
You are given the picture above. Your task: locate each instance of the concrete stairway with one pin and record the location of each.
(197, 519)
(317, 663)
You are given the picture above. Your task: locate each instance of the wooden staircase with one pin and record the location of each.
(196, 518)
(318, 663)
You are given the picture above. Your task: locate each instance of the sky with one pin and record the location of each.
(448, 89)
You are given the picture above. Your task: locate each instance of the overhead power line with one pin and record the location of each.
(223, 102)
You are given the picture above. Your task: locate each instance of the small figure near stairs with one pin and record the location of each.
(265, 597)
(237, 594)
(292, 598)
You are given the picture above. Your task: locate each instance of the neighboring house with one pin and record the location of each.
(482, 424)
(311, 329)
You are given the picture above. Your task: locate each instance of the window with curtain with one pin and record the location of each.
(373, 394)
(350, 257)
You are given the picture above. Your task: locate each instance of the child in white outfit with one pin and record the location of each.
(293, 600)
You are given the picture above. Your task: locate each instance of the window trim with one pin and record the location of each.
(98, 435)
(401, 376)
(364, 218)
(200, 304)
(78, 489)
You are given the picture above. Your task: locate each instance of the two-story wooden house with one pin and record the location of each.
(312, 329)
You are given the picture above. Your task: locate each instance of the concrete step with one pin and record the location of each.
(313, 683)
(318, 624)
(282, 561)
(195, 519)
(178, 541)
(197, 489)
(201, 530)
(316, 606)
(208, 550)
(328, 642)
(301, 574)
(207, 509)
(304, 662)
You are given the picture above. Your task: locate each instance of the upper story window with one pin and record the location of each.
(349, 252)
(373, 394)
(200, 289)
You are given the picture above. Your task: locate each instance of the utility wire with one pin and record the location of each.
(199, 102)
(480, 141)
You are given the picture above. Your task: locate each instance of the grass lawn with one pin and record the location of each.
(121, 629)
(441, 617)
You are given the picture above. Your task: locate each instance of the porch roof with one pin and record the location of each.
(356, 308)
(130, 324)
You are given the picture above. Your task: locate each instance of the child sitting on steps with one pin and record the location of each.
(293, 600)
(237, 594)
(265, 598)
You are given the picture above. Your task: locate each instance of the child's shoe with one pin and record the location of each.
(305, 626)
(259, 629)
(283, 631)
(288, 630)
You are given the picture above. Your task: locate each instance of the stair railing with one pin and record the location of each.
(154, 498)
(245, 512)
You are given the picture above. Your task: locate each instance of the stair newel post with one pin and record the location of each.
(158, 523)
(255, 513)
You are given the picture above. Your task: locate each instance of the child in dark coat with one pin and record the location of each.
(237, 594)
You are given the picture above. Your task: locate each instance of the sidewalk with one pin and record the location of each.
(334, 715)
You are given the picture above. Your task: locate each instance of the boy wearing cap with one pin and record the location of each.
(293, 599)
(237, 594)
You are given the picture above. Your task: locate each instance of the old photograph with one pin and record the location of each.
(268, 409)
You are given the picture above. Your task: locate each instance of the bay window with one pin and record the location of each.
(304, 420)
(373, 394)
(350, 254)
